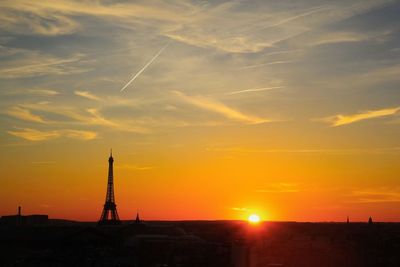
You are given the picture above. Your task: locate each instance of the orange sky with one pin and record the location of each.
(192, 180)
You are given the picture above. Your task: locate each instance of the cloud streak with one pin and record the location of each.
(220, 108)
(340, 37)
(43, 92)
(297, 16)
(266, 64)
(87, 95)
(89, 116)
(37, 135)
(184, 21)
(376, 195)
(331, 151)
(240, 209)
(24, 114)
(51, 18)
(135, 167)
(339, 120)
(255, 90)
(35, 64)
(280, 188)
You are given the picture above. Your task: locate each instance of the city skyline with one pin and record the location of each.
(215, 110)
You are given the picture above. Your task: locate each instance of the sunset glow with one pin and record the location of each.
(254, 219)
(215, 110)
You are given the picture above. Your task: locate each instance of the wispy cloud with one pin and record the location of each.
(331, 151)
(33, 91)
(36, 64)
(87, 95)
(280, 188)
(9, 51)
(375, 195)
(339, 120)
(89, 116)
(21, 17)
(134, 167)
(339, 37)
(24, 114)
(77, 134)
(240, 209)
(63, 25)
(255, 90)
(37, 135)
(184, 21)
(57, 17)
(266, 64)
(43, 92)
(312, 11)
(240, 32)
(98, 118)
(220, 108)
(379, 75)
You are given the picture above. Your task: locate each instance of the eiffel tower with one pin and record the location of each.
(109, 216)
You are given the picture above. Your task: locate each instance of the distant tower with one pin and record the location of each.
(348, 220)
(137, 218)
(370, 220)
(19, 219)
(109, 216)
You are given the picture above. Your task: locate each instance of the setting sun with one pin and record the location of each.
(254, 218)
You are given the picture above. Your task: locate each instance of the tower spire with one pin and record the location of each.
(110, 214)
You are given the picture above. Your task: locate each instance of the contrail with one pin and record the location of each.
(310, 12)
(266, 64)
(255, 90)
(145, 67)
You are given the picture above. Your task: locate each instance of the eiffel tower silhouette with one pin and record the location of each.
(109, 216)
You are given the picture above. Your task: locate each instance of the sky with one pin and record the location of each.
(213, 109)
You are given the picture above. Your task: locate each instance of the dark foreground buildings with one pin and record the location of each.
(202, 243)
(24, 220)
(129, 244)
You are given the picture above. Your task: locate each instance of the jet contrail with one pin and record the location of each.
(145, 67)
(254, 90)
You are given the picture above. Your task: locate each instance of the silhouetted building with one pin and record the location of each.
(20, 220)
(109, 215)
(370, 220)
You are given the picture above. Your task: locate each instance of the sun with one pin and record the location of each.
(254, 219)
